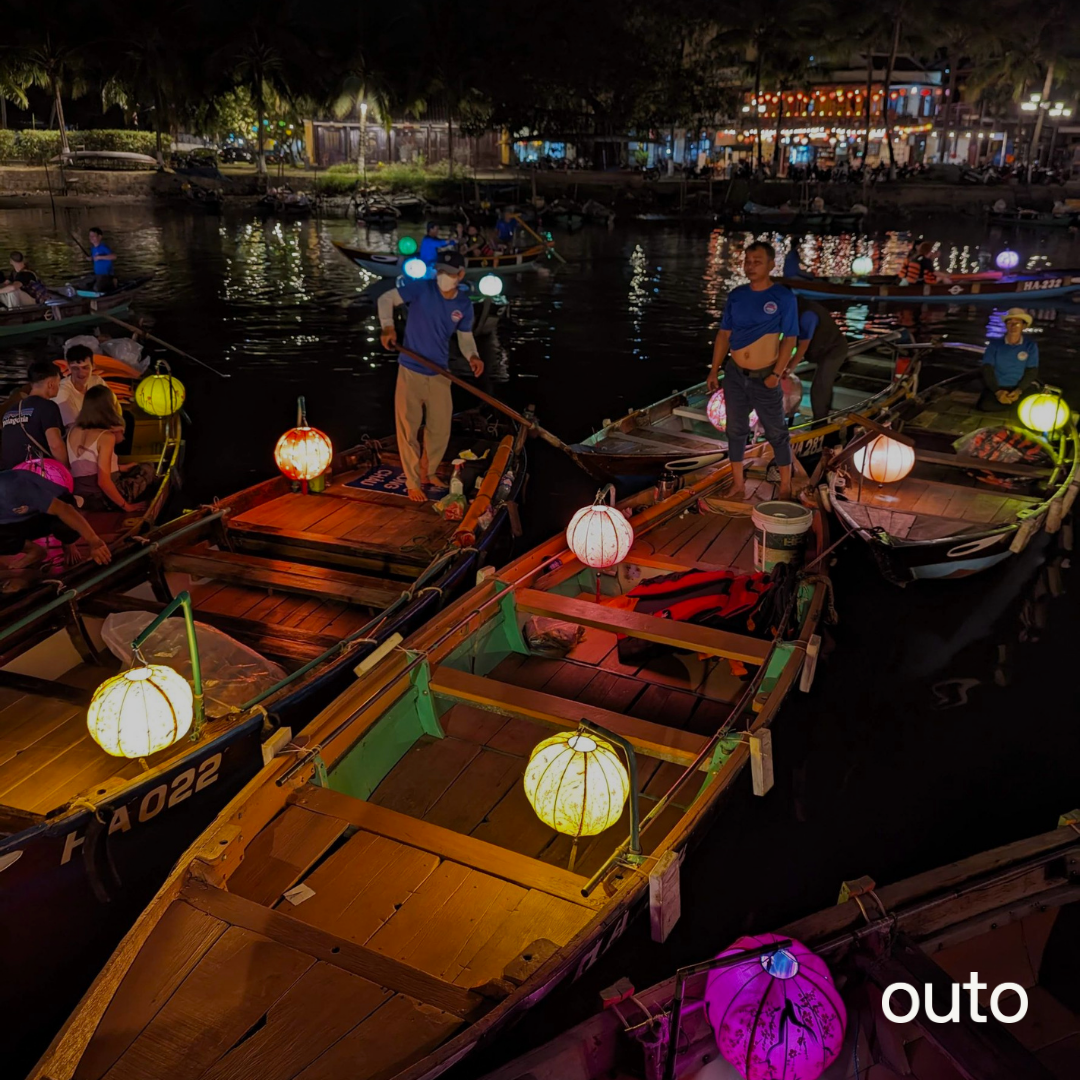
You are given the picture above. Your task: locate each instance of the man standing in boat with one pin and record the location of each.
(104, 262)
(1009, 364)
(822, 343)
(760, 325)
(437, 310)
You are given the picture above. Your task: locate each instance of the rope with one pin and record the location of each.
(431, 589)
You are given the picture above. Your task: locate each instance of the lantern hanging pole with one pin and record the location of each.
(164, 344)
(631, 759)
(685, 973)
(181, 601)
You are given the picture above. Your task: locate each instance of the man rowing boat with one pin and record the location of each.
(760, 325)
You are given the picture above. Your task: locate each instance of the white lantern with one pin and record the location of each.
(885, 460)
(415, 268)
(862, 266)
(576, 784)
(490, 285)
(140, 711)
(600, 536)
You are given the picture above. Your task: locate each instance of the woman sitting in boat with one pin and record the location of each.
(1009, 365)
(100, 479)
(23, 287)
(918, 268)
(474, 243)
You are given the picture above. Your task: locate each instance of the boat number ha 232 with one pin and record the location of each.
(163, 797)
(1048, 283)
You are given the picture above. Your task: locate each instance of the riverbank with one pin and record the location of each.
(31, 186)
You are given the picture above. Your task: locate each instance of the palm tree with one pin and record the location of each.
(15, 80)
(57, 67)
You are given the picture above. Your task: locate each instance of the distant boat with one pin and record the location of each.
(984, 288)
(83, 306)
(106, 159)
(391, 264)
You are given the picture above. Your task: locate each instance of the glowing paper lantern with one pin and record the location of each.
(1043, 412)
(862, 266)
(415, 268)
(303, 453)
(490, 285)
(884, 460)
(1007, 260)
(600, 536)
(51, 469)
(160, 395)
(576, 784)
(777, 1016)
(406, 246)
(716, 411)
(140, 711)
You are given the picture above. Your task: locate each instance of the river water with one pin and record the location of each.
(943, 716)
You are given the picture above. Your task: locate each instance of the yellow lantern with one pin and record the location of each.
(885, 460)
(141, 711)
(1043, 412)
(576, 784)
(160, 395)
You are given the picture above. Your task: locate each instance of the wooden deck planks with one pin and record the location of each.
(423, 774)
(477, 790)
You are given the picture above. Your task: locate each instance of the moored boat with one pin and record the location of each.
(290, 591)
(1009, 914)
(386, 900)
(392, 264)
(83, 306)
(636, 449)
(982, 288)
(952, 513)
(1042, 219)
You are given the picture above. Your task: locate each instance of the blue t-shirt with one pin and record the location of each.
(808, 324)
(505, 230)
(432, 321)
(1011, 361)
(24, 494)
(751, 314)
(102, 266)
(430, 246)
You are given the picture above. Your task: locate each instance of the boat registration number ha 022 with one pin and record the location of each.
(163, 797)
(1048, 283)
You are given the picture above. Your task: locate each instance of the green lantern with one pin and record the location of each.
(406, 246)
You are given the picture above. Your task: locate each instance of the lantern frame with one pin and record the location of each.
(162, 370)
(302, 425)
(605, 494)
(1051, 392)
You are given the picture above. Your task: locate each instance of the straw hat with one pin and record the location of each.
(1017, 313)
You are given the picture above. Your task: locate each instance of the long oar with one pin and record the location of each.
(79, 243)
(164, 344)
(532, 425)
(533, 233)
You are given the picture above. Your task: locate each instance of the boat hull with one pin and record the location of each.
(986, 291)
(388, 264)
(79, 311)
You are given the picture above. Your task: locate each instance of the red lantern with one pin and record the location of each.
(599, 535)
(303, 452)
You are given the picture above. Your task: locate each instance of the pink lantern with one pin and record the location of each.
(599, 535)
(716, 411)
(777, 1016)
(50, 469)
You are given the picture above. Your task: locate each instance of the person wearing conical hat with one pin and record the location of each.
(1009, 365)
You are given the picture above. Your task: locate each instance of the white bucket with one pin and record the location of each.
(779, 533)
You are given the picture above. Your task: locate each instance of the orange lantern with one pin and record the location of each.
(885, 460)
(303, 452)
(599, 535)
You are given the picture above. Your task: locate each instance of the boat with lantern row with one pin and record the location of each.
(290, 592)
(982, 288)
(1009, 914)
(676, 432)
(392, 264)
(387, 899)
(965, 490)
(82, 307)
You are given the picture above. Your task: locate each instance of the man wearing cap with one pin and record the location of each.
(1009, 365)
(437, 309)
(432, 244)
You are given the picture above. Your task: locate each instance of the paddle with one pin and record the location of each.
(164, 344)
(550, 246)
(532, 425)
(79, 243)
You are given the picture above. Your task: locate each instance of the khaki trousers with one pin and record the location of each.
(422, 399)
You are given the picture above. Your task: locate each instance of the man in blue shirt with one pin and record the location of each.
(103, 259)
(432, 243)
(821, 343)
(1009, 365)
(437, 310)
(506, 230)
(793, 265)
(760, 325)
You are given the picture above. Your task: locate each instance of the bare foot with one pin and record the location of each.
(784, 494)
(416, 495)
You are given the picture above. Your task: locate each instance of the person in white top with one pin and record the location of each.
(80, 377)
(100, 479)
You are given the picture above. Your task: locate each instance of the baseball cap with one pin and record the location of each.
(451, 258)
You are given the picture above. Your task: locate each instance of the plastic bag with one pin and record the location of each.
(232, 673)
(551, 637)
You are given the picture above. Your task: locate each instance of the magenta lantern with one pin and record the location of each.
(777, 1016)
(599, 535)
(716, 411)
(51, 469)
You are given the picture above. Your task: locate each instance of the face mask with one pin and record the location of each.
(446, 282)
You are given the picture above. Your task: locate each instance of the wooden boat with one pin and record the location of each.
(984, 288)
(82, 307)
(1009, 914)
(1034, 218)
(313, 583)
(283, 202)
(951, 516)
(636, 449)
(391, 264)
(385, 902)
